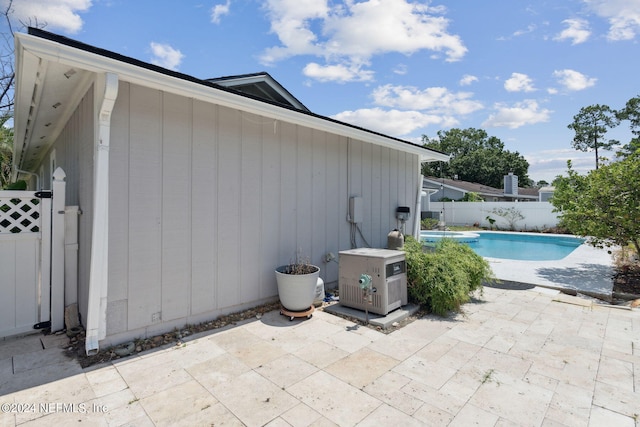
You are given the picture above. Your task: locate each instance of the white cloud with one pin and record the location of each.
(400, 69)
(437, 100)
(166, 56)
(577, 31)
(410, 109)
(522, 113)
(573, 80)
(219, 10)
(337, 73)
(623, 17)
(547, 164)
(519, 82)
(552, 91)
(467, 79)
(353, 32)
(393, 122)
(56, 14)
(530, 28)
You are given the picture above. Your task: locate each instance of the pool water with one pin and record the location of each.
(525, 247)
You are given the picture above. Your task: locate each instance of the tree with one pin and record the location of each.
(6, 98)
(472, 197)
(590, 126)
(7, 82)
(512, 215)
(6, 153)
(542, 183)
(475, 157)
(631, 112)
(604, 204)
(7, 75)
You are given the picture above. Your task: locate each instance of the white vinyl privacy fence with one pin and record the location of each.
(537, 215)
(32, 259)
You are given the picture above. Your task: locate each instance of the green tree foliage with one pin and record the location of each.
(444, 279)
(472, 197)
(590, 126)
(6, 153)
(604, 204)
(631, 112)
(475, 157)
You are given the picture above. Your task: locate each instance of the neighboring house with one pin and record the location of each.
(545, 193)
(191, 192)
(440, 188)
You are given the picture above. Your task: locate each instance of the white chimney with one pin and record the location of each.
(511, 184)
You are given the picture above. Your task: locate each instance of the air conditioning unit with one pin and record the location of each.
(388, 271)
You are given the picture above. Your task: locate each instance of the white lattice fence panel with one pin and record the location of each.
(19, 214)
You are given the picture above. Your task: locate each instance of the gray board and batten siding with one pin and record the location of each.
(205, 201)
(209, 190)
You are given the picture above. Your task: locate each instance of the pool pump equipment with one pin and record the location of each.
(367, 291)
(372, 280)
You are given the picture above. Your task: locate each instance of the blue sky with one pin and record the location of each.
(520, 70)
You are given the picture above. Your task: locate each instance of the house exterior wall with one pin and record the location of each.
(446, 192)
(73, 152)
(206, 201)
(545, 196)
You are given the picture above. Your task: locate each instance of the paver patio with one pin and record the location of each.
(516, 357)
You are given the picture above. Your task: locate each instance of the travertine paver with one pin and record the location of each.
(388, 388)
(191, 404)
(515, 357)
(321, 354)
(338, 401)
(286, 370)
(362, 367)
(302, 415)
(253, 399)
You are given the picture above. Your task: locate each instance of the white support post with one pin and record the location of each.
(57, 250)
(45, 257)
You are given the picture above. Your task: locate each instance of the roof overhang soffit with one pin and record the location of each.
(47, 93)
(52, 51)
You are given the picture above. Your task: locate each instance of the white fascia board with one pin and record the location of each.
(53, 51)
(23, 98)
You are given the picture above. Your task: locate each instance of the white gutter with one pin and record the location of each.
(106, 91)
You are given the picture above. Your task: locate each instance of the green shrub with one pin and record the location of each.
(428, 223)
(444, 278)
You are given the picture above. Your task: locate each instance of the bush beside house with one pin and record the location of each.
(444, 279)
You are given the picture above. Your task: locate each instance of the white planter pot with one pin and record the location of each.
(297, 291)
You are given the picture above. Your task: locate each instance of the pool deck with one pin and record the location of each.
(587, 270)
(530, 357)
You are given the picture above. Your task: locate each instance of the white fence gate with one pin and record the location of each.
(32, 259)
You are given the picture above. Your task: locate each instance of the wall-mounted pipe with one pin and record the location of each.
(417, 216)
(32, 174)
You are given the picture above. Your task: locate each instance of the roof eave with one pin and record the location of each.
(55, 51)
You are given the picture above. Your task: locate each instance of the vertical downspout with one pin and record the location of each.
(106, 92)
(416, 219)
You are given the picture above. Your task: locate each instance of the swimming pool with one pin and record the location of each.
(460, 236)
(524, 246)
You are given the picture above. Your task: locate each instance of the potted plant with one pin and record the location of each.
(297, 284)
